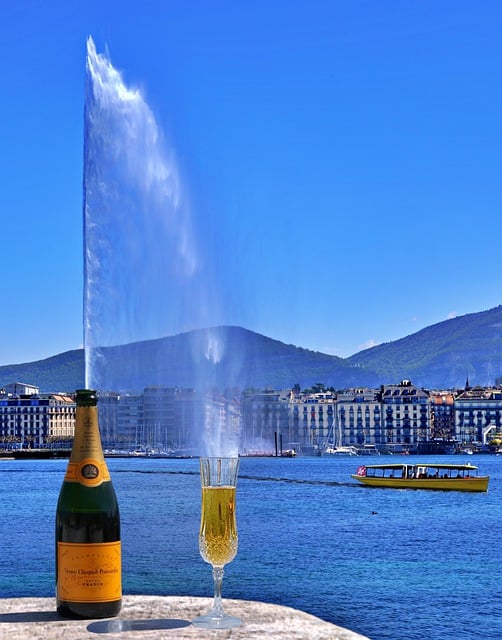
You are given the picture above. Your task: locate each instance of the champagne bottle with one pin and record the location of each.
(88, 551)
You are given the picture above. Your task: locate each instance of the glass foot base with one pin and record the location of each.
(216, 621)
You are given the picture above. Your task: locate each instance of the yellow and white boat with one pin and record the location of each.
(441, 477)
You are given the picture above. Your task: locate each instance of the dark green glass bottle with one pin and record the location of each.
(88, 551)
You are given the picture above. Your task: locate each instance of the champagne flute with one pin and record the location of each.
(218, 531)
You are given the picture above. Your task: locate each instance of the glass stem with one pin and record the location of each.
(217, 604)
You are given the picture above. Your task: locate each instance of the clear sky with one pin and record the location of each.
(348, 154)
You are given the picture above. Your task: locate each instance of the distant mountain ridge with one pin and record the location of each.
(443, 355)
(226, 357)
(439, 356)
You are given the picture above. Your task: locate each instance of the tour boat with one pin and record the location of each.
(442, 477)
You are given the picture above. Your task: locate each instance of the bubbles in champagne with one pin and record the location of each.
(218, 538)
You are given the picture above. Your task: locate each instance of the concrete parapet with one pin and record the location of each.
(162, 618)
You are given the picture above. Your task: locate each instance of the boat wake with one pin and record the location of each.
(326, 483)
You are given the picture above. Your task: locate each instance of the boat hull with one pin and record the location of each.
(477, 484)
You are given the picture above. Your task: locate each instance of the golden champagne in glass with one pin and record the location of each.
(218, 538)
(218, 527)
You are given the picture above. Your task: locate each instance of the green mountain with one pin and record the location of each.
(225, 357)
(64, 372)
(439, 356)
(442, 355)
(221, 357)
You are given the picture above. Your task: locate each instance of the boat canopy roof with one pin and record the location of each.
(439, 465)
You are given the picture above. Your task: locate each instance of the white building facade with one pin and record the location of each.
(34, 420)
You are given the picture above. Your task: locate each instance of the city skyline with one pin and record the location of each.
(341, 160)
(393, 418)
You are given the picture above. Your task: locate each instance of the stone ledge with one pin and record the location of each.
(163, 618)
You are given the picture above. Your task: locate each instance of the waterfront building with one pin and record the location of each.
(217, 427)
(478, 414)
(315, 415)
(20, 389)
(394, 417)
(160, 418)
(121, 420)
(267, 416)
(34, 420)
(62, 410)
(107, 412)
(130, 428)
(442, 404)
(358, 418)
(405, 414)
(172, 417)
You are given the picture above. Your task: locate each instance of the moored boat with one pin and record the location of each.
(331, 450)
(441, 477)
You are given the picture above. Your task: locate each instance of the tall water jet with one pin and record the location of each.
(145, 275)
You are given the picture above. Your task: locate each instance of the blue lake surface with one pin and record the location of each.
(389, 564)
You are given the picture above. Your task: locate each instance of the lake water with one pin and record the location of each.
(388, 564)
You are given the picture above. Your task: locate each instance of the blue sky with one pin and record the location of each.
(346, 155)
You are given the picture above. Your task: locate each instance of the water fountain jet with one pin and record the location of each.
(145, 275)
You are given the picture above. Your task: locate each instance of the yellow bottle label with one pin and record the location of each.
(89, 472)
(89, 572)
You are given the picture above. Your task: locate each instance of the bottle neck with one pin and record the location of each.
(87, 439)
